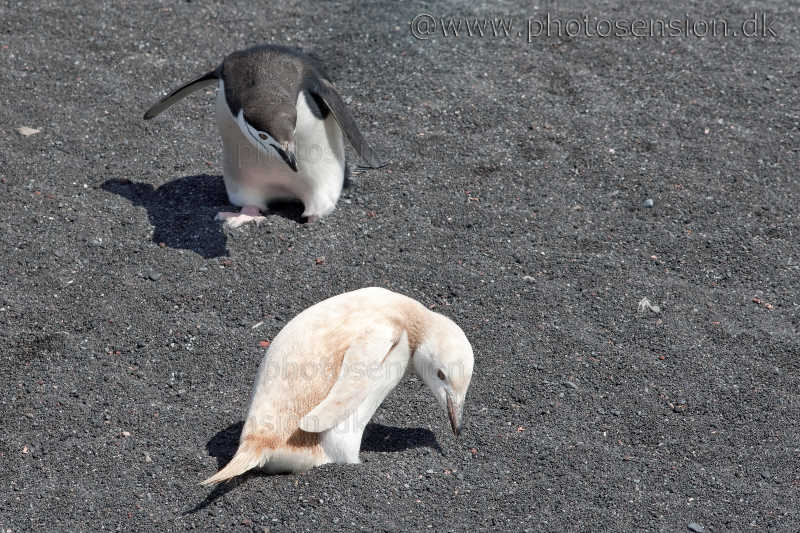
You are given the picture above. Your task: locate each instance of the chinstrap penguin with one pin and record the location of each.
(282, 124)
(331, 366)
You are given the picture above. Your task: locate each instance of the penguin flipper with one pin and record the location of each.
(323, 89)
(358, 376)
(182, 92)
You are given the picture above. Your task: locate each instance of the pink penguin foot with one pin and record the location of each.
(248, 213)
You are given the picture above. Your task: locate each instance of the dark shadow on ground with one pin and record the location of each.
(377, 438)
(182, 211)
(219, 490)
(380, 438)
(223, 445)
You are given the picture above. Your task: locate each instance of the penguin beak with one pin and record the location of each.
(454, 410)
(287, 153)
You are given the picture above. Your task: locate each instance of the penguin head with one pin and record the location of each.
(271, 130)
(444, 361)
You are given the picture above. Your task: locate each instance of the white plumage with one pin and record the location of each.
(330, 367)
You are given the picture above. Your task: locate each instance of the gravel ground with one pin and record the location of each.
(538, 192)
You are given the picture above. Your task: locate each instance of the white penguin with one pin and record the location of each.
(281, 122)
(331, 366)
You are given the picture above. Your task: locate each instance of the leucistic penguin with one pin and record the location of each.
(331, 366)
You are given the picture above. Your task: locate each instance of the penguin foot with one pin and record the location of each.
(247, 214)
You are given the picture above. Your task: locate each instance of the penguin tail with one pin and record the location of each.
(246, 458)
(182, 92)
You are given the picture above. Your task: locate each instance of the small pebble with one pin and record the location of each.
(26, 131)
(649, 202)
(153, 275)
(570, 385)
(697, 528)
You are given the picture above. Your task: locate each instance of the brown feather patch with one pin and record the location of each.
(303, 439)
(411, 319)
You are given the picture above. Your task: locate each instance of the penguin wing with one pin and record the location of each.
(321, 88)
(182, 92)
(361, 371)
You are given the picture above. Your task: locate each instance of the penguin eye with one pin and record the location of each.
(263, 136)
(440, 374)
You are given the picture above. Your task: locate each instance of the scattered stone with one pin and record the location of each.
(616, 412)
(644, 303)
(126, 433)
(147, 458)
(697, 528)
(649, 202)
(153, 275)
(25, 131)
(570, 384)
(529, 279)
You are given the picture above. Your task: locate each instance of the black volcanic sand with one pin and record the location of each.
(515, 203)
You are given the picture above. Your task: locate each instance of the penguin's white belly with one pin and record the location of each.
(284, 461)
(254, 176)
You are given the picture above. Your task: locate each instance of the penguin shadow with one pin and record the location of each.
(222, 446)
(377, 438)
(387, 439)
(182, 211)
